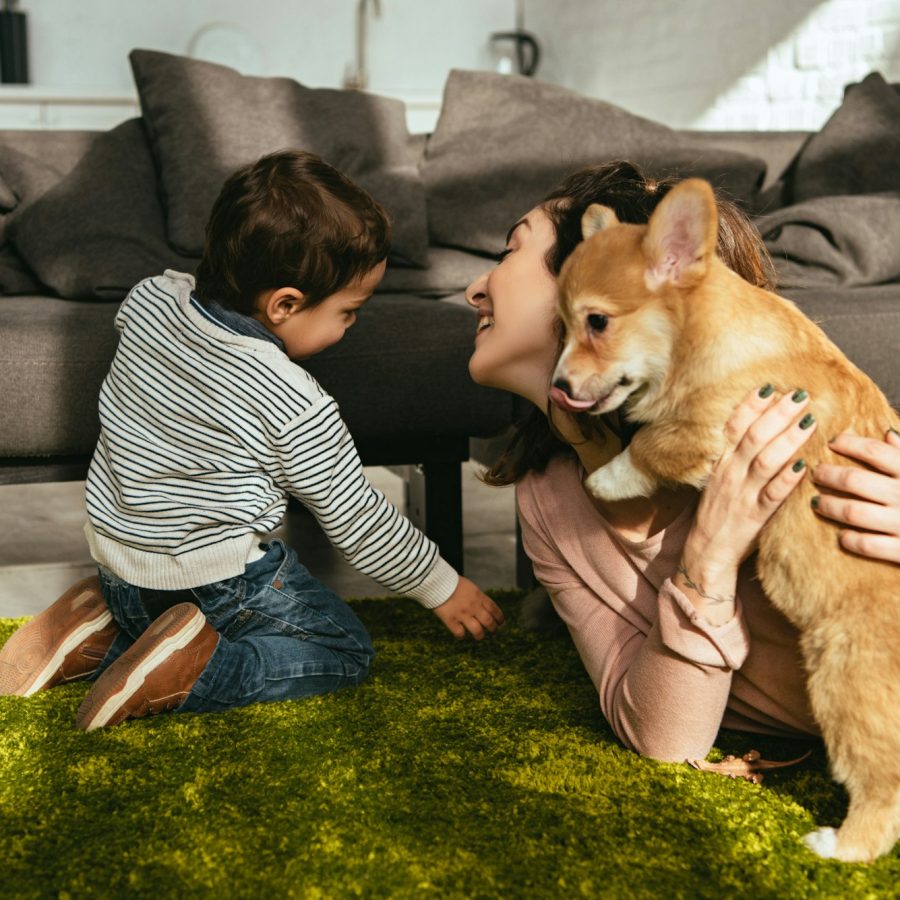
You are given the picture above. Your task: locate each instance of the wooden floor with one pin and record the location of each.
(43, 549)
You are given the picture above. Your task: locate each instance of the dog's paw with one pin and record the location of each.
(620, 480)
(822, 842)
(598, 484)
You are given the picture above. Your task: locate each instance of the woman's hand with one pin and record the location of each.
(870, 504)
(747, 485)
(469, 609)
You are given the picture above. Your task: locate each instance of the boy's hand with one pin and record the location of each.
(469, 609)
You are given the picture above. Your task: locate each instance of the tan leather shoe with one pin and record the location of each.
(65, 642)
(153, 675)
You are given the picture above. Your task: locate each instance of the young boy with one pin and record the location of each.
(206, 427)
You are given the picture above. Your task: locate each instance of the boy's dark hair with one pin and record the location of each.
(289, 220)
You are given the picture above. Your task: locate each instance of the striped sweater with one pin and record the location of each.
(204, 434)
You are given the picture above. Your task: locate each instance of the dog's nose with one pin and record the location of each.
(564, 386)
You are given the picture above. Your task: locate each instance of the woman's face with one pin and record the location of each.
(516, 344)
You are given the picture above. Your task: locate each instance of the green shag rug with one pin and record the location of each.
(457, 770)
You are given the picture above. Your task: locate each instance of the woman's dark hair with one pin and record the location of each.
(625, 189)
(289, 220)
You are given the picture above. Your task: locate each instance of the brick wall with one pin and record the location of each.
(732, 64)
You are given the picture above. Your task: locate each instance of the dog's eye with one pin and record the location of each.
(597, 322)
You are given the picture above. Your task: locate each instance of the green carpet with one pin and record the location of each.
(457, 770)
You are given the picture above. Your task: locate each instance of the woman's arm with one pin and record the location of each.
(663, 701)
(664, 684)
(871, 501)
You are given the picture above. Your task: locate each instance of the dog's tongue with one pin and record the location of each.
(564, 401)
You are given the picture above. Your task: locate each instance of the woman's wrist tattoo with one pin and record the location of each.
(716, 599)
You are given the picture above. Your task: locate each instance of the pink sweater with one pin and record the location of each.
(667, 680)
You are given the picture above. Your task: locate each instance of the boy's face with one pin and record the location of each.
(306, 332)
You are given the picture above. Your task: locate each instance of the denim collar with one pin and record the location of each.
(237, 322)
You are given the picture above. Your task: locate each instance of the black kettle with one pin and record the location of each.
(527, 49)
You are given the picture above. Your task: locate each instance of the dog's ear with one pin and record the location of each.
(682, 234)
(596, 218)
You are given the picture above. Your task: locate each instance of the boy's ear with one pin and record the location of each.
(279, 304)
(682, 235)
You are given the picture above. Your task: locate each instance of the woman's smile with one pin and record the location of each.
(484, 322)
(520, 291)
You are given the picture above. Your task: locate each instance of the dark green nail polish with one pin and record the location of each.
(799, 395)
(807, 420)
(800, 464)
(814, 503)
(766, 390)
(894, 432)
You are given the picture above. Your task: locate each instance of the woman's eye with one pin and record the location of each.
(597, 322)
(503, 254)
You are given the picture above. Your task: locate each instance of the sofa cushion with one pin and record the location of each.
(31, 163)
(207, 120)
(15, 275)
(399, 374)
(503, 142)
(101, 229)
(54, 355)
(414, 353)
(449, 271)
(857, 149)
(862, 322)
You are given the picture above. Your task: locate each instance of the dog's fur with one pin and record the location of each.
(684, 341)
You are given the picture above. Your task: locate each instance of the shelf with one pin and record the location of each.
(35, 107)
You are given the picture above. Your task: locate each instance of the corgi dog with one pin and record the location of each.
(660, 328)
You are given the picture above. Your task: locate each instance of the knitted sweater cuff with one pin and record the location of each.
(438, 585)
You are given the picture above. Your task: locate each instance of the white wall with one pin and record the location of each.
(752, 64)
(85, 43)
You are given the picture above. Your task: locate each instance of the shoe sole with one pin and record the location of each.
(30, 646)
(172, 631)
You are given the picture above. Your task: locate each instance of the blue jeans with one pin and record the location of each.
(282, 634)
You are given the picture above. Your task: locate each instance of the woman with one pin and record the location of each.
(657, 593)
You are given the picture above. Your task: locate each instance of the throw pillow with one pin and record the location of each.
(848, 240)
(856, 150)
(24, 178)
(101, 229)
(503, 142)
(15, 276)
(206, 120)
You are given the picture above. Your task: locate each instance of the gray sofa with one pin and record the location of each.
(75, 238)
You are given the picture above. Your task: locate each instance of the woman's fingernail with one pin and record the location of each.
(807, 420)
(766, 390)
(800, 464)
(894, 432)
(814, 503)
(799, 395)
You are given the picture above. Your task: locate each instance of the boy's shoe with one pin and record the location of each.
(65, 642)
(155, 674)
